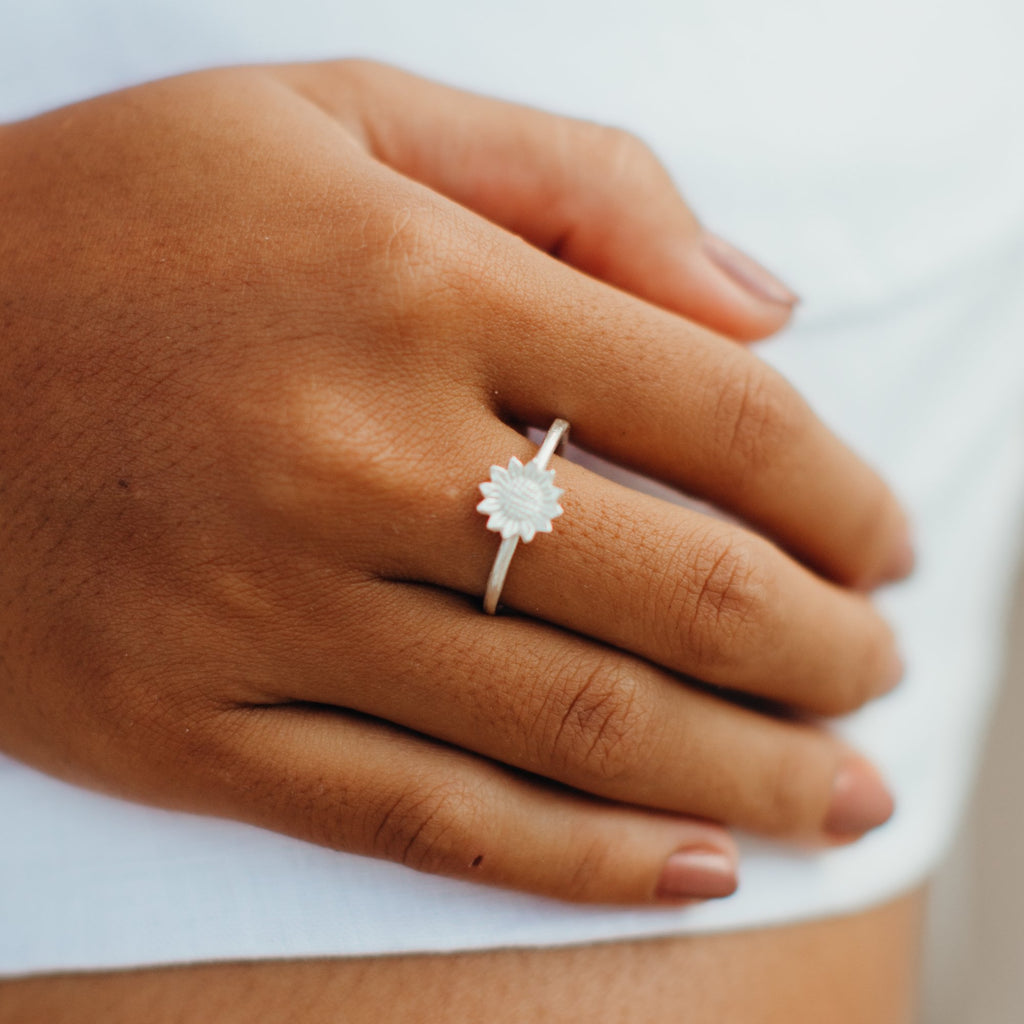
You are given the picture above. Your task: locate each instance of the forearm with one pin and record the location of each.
(849, 970)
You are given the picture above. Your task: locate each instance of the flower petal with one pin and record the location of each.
(509, 528)
(489, 506)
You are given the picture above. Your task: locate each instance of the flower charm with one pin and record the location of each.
(520, 500)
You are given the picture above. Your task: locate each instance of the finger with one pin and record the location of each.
(362, 786)
(595, 197)
(667, 398)
(690, 592)
(557, 705)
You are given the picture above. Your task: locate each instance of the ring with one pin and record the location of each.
(519, 503)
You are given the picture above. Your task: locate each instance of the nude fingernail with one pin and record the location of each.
(747, 272)
(860, 801)
(698, 872)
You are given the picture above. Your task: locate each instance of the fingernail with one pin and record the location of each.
(860, 801)
(697, 872)
(746, 272)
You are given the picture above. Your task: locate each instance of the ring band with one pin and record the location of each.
(520, 502)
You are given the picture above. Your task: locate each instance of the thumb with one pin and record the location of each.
(593, 196)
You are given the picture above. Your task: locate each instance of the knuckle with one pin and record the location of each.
(601, 723)
(623, 153)
(481, 275)
(162, 722)
(409, 247)
(756, 416)
(363, 70)
(428, 828)
(326, 464)
(726, 602)
(309, 441)
(432, 263)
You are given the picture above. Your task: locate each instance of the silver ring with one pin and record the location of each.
(519, 503)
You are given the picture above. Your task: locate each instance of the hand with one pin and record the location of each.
(257, 355)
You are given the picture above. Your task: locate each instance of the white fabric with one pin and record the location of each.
(873, 154)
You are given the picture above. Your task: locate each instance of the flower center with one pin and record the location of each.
(523, 499)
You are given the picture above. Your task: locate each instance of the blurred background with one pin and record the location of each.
(974, 964)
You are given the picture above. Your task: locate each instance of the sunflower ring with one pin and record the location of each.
(520, 501)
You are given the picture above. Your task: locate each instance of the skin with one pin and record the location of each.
(263, 331)
(853, 970)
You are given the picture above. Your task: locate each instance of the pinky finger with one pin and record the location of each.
(364, 786)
